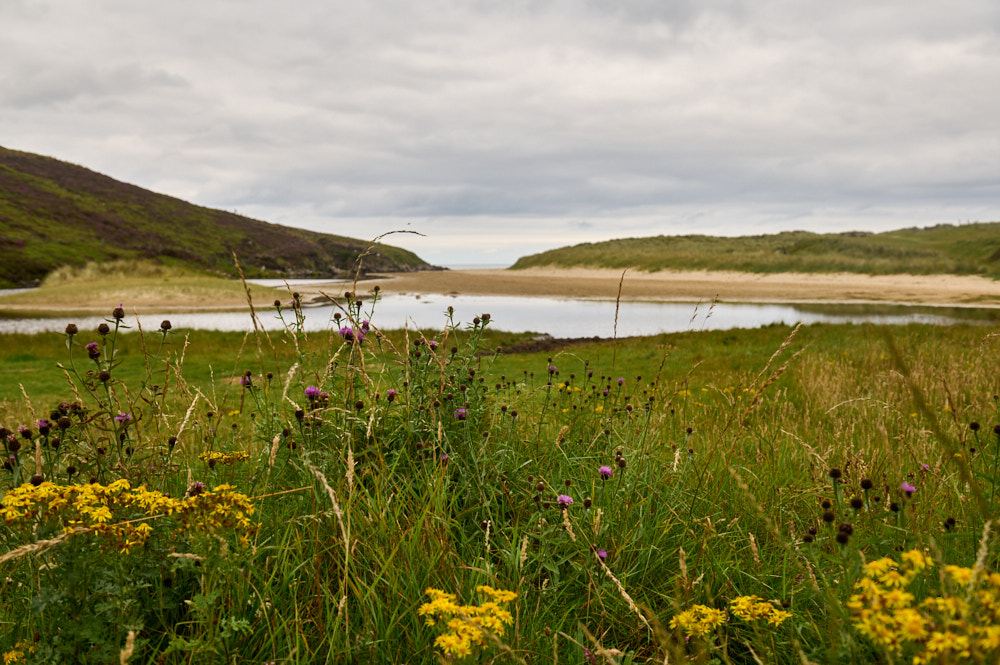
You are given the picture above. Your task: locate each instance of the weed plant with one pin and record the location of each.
(822, 494)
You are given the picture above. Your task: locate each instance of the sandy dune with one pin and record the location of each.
(697, 285)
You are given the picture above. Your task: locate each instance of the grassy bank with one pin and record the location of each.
(969, 249)
(143, 284)
(56, 214)
(775, 494)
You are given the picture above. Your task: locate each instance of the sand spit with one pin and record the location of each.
(951, 290)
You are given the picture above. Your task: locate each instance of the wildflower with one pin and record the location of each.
(390, 395)
(467, 625)
(565, 500)
(43, 427)
(461, 414)
(118, 312)
(621, 380)
(247, 379)
(603, 554)
(552, 369)
(123, 418)
(103, 330)
(349, 334)
(699, 620)
(605, 472)
(165, 325)
(226, 459)
(908, 488)
(93, 351)
(312, 392)
(71, 329)
(753, 608)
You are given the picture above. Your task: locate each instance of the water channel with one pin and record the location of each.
(559, 317)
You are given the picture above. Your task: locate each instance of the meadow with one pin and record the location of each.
(822, 494)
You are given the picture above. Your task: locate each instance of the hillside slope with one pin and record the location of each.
(53, 213)
(969, 249)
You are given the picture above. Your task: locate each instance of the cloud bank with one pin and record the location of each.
(498, 129)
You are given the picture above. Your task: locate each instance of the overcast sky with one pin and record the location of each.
(502, 128)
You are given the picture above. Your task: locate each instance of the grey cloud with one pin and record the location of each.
(716, 114)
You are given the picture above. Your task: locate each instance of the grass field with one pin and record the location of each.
(968, 249)
(825, 495)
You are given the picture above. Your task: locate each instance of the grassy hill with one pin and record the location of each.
(943, 249)
(54, 214)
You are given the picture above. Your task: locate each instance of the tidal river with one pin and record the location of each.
(554, 316)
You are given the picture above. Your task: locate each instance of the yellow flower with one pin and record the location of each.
(466, 624)
(698, 620)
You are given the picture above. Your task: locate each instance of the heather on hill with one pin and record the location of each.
(54, 214)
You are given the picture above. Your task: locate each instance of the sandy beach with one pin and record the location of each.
(693, 286)
(948, 290)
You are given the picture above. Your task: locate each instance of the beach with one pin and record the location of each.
(951, 290)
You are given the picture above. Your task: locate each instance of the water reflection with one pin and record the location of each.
(557, 317)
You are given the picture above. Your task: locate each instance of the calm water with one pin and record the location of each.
(557, 317)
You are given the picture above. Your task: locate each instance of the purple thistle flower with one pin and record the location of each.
(312, 392)
(565, 500)
(621, 380)
(552, 369)
(390, 394)
(432, 345)
(246, 380)
(925, 467)
(364, 325)
(908, 488)
(123, 418)
(461, 414)
(603, 554)
(605, 472)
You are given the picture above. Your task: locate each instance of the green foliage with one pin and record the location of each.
(55, 214)
(381, 464)
(969, 249)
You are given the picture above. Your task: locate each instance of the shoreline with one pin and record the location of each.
(697, 286)
(601, 284)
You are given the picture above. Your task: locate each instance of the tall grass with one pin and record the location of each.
(621, 490)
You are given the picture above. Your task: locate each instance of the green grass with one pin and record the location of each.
(969, 249)
(54, 214)
(727, 439)
(141, 283)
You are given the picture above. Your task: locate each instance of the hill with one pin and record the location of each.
(968, 249)
(54, 214)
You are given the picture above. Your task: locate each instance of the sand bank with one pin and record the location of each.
(697, 285)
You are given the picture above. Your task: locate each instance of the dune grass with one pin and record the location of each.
(968, 249)
(765, 495)
(142, 283)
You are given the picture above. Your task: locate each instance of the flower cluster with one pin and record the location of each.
(700, 620)
(957, 627)
(17, 653)
(213, 458)
(467, 624)
(753, 608)
(119, 513)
